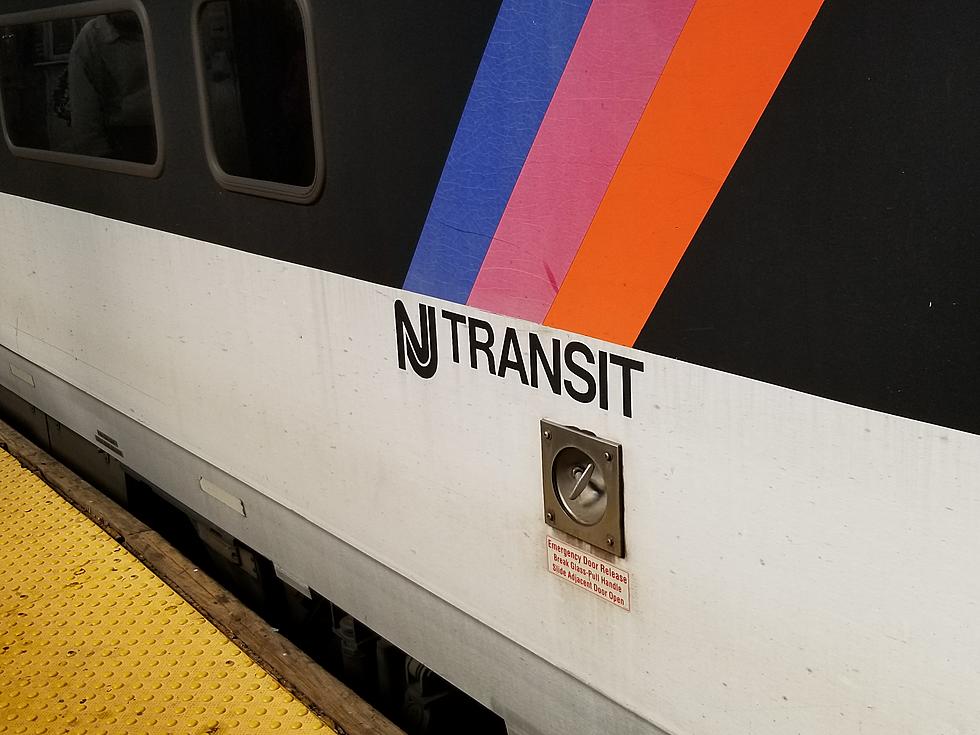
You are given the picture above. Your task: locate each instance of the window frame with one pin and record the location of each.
(112, 165)
(245, 184)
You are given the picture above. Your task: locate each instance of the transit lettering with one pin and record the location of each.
(574, 369)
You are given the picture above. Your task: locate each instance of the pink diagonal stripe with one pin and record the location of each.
(616, 62)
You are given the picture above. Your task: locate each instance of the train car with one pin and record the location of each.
(616, 359)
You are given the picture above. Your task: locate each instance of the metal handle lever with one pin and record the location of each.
(583, 480)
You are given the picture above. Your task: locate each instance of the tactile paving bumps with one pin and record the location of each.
(92, 642)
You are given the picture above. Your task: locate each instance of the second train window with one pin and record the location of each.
(254, 66)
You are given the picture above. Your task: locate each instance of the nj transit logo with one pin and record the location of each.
(572, 369)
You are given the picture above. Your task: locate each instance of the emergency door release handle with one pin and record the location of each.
(583, 480)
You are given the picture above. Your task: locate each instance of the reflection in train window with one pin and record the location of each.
(78, 86)
(256, 95)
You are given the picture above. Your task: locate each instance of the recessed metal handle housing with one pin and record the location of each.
(582, 483)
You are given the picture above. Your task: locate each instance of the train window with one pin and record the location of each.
(258, 96)
(77, 86)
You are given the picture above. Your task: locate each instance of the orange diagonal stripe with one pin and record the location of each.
(719, 79)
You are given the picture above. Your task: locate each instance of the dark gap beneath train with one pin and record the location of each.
(413, 696)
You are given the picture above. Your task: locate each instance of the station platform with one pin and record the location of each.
(91, 641)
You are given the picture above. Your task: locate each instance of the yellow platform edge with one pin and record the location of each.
(91, 641)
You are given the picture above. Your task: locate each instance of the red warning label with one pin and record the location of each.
(590, 573)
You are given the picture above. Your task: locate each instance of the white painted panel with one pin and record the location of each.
(23, 375)
(222, 496)
(797, 565)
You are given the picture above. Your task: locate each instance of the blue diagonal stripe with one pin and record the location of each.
(528, 48)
